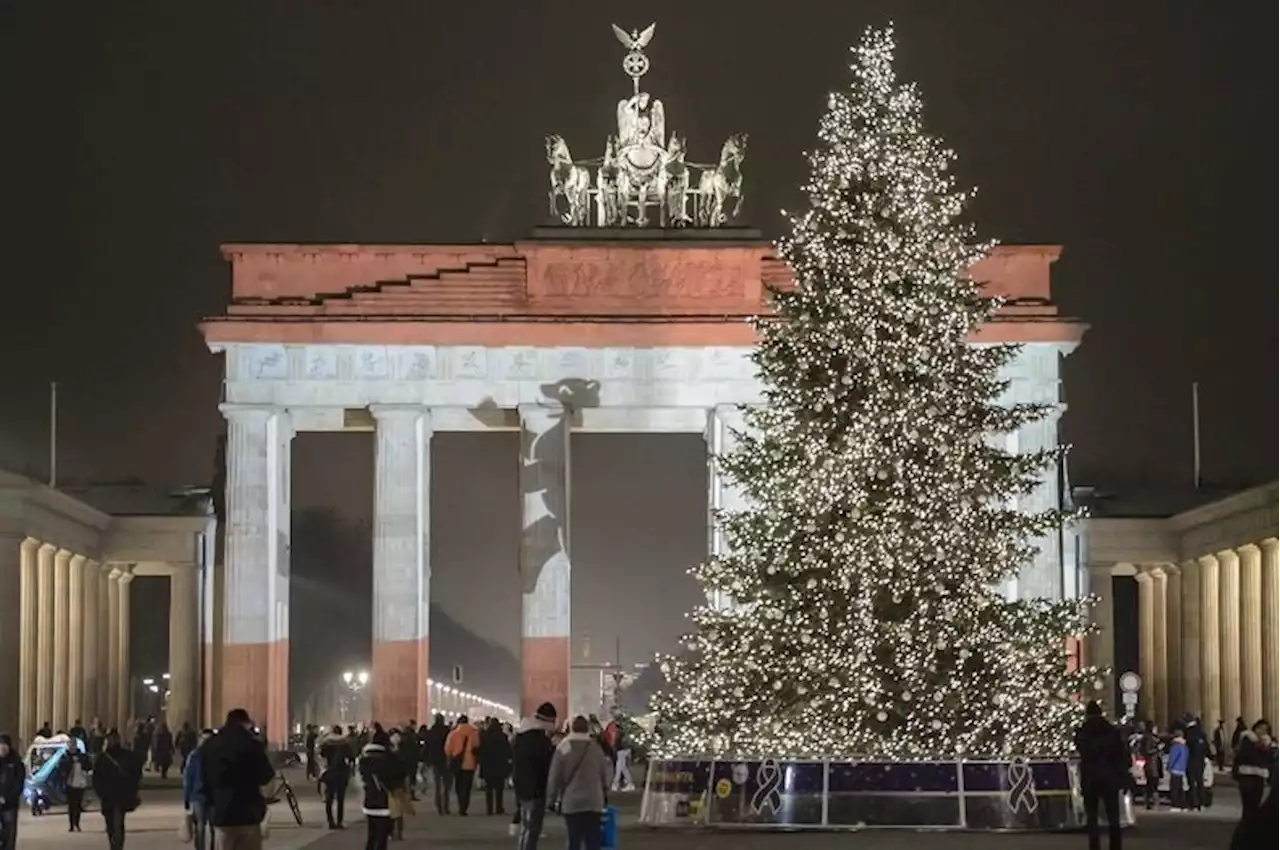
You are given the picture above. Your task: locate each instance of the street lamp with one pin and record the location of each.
(355, 683)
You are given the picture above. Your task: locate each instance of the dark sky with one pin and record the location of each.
(139, 136)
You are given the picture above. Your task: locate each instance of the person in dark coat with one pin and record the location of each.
(495, 767)
(410, 753)
(1252, 766)
(186, 742)
(234, 767)
(433, 755)
(1258, 830)
(531, 755)
(13, 776)
(1198, 758)
(77, 769)
(162, 750)
(117, 776)
(1104, 773)
(382, 774)
(336, 753)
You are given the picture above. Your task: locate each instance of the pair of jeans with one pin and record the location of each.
(1177, 791)
(240, 837)
(583, 829)
(335, 800)
(1108, 794)
(463, 783)
(8, 829)
(444, 787)
(200, 826)
(114, 820)
(532, 813)
(494, 802)
(377, 832)
(622, 770)
(75, 807)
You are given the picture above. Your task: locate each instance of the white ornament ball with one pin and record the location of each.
(882, 716)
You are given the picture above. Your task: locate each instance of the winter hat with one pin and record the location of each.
(6, 740)
(546, 713)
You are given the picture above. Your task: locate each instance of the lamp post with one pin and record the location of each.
(355, 683)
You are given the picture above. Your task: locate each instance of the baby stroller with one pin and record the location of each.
(46, 783)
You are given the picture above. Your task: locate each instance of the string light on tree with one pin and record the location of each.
(864, 573)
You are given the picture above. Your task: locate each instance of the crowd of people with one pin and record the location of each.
(392, 764)
(1108, 753)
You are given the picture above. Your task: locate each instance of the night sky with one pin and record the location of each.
(140, 136)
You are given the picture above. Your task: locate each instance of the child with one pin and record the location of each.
(1179, 756)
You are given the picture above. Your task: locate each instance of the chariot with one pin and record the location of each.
(643, 169)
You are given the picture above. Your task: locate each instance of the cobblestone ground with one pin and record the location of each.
(154, 826)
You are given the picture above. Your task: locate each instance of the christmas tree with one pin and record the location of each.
(884, 512)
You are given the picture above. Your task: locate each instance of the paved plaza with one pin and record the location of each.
(154, 826)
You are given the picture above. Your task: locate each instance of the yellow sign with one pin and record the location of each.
(723, 789)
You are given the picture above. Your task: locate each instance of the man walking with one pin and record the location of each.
(235, 766)
(532, 753)
(1104, 770)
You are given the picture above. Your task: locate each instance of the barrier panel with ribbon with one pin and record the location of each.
(1028, 794)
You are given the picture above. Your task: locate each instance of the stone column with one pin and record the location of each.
(255, 652)
(214, 611)
(544, 556)
(1210, 662)
(724, 423)
(1100, 646)
(90, 705)
(12, 612)
(28, 686)
(1175, 705)
(1146, 642)
(401, 562)
(1270, 629)
(44, 637)
(1229, 633)
(1159, 686)
(75, 639)
(184, 629)
(1191, 690)
(61, 636)
(111, 668)
(1250, 642)
(124, 669)
(108, 634)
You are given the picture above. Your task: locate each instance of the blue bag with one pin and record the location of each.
(609, 828)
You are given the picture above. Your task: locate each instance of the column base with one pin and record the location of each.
(400, 681)
(255, 678)
(544, 675)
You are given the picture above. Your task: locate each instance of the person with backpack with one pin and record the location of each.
(117, 776)
(1104, 773)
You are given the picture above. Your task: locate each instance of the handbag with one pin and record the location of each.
(554, 805)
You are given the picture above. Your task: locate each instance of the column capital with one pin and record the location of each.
(1253, 550)
(1268, 545)
(1208, 560)
(1227, 556)
(396, 411)
(30, 546)
(62, 555)
(122, 573)
(247, 412)
(78, 561)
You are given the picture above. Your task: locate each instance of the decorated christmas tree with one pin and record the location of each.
(868, 617)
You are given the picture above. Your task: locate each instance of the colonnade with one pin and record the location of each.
(1209, 636)
(74, 639)
(254, 643)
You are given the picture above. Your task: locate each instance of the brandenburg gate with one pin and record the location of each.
(601, 323)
